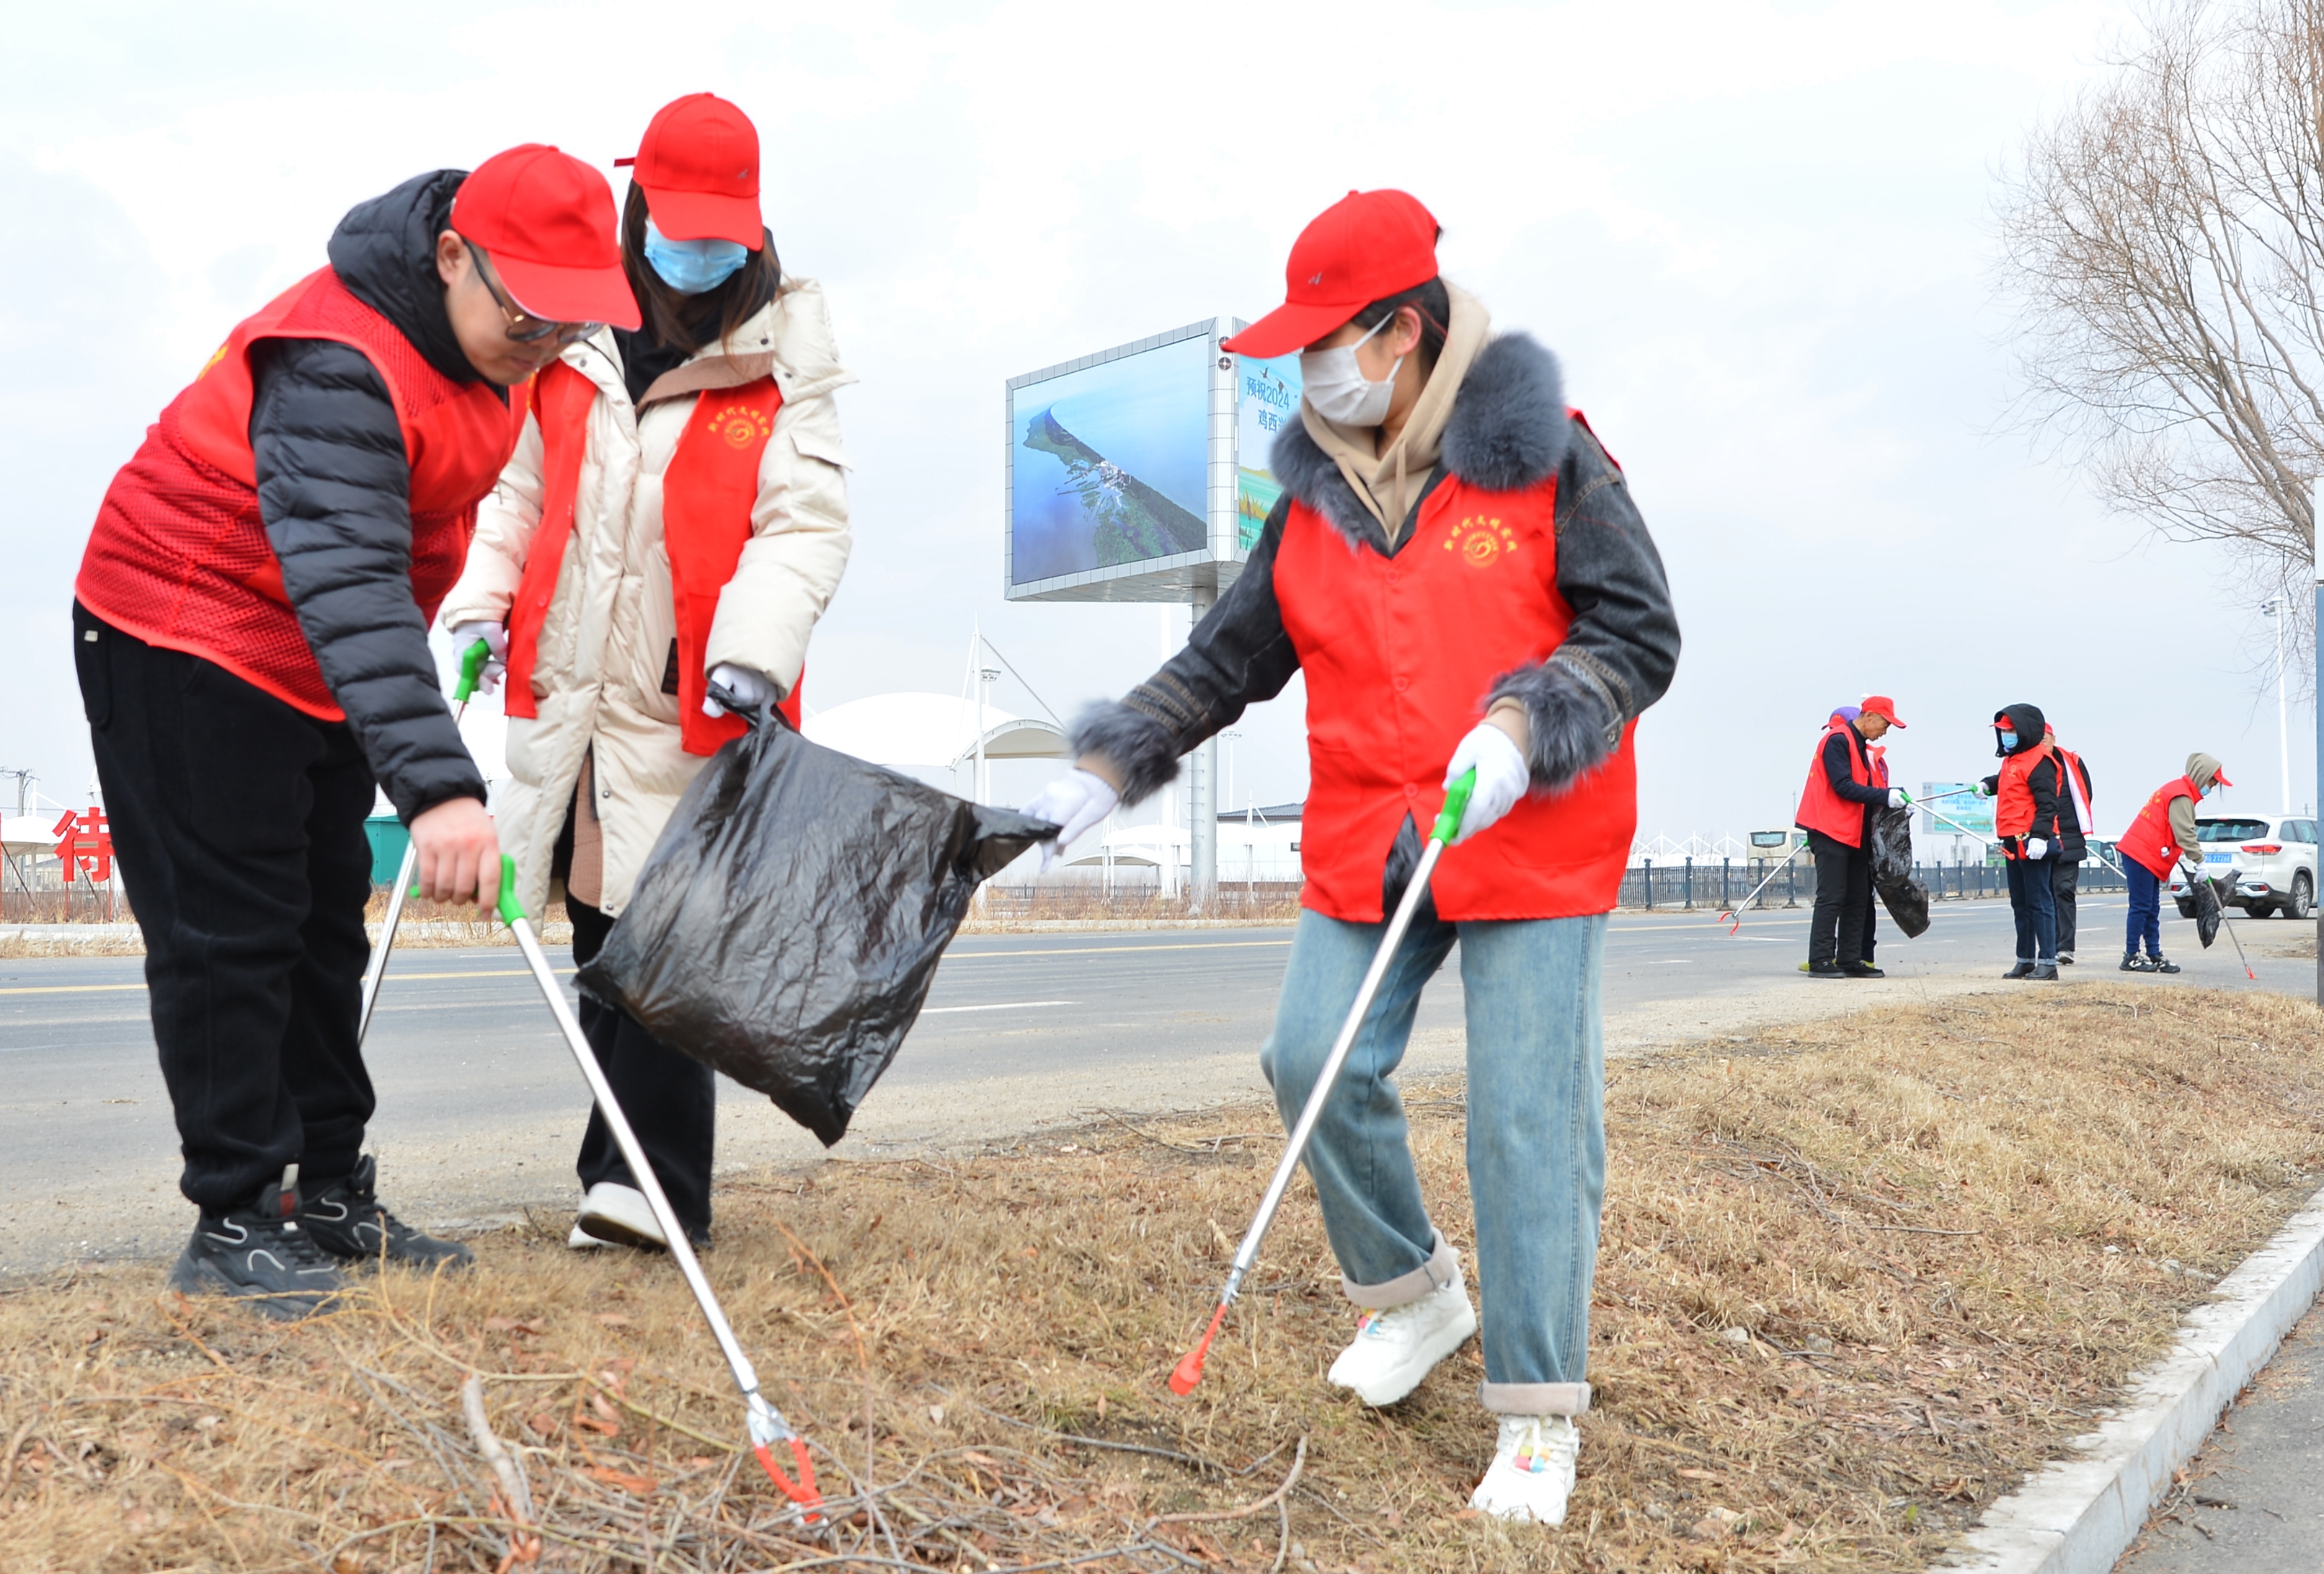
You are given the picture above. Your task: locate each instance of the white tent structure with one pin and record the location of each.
(919, 732)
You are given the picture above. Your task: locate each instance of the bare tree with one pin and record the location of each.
(2164, 243)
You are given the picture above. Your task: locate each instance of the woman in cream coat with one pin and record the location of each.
(626, 562)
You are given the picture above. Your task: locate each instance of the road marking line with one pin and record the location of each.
(397, 977)
(1113, 950)
(1005, 1005)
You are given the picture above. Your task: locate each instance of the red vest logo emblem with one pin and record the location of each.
(1480, 542)
(738, 424)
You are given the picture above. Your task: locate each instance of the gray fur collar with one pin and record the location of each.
(1508, 430)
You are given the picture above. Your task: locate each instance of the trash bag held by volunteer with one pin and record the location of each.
(2076, 826)
(1847, 782)
(2160, 838)
(1457, 566)
(250, 626)
(2026, 815)
(674, 520)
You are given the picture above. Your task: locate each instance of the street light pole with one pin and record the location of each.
(2278, 611)
(2315, 497)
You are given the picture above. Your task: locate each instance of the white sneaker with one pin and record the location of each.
(618, 1214)
(1394, 1349)
(1533, 1469)
(581, 1240)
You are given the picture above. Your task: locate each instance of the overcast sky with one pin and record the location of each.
(1760, 236)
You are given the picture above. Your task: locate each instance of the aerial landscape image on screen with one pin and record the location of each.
(1110, 463)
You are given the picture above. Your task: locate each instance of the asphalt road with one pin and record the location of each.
(480, 1106)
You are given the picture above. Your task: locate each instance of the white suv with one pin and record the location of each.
(2272, 857)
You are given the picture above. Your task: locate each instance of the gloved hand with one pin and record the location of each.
(1077, 801)
(2037, 848)
(1986, 789)
(465, 634)
(1899, 798)
(2191, 866)
(1502, 777)
(754, 689)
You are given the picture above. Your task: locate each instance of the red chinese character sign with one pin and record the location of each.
(85, 843)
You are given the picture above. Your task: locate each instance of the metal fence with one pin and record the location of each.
(1701, 884)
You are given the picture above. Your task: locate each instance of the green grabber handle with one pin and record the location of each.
(1456, 804)
(472, 667)
(509, 907)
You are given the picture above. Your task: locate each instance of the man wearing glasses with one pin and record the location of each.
(250, 632)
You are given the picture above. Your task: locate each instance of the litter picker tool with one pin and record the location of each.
(472, 667)
(764, 1424)
(1189, 1371)
(1731, 916)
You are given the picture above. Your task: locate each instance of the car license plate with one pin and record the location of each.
(2219, 857)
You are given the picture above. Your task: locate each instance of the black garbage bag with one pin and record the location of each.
(2208, 911)
(787, 926)
(1904, 897)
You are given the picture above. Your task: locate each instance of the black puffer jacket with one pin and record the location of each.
(2041, 782)
(334, 490)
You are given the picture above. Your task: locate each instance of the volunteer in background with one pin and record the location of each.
(2162, 835)
(1846, 782)
(2026, 817)
(251, 629)
(1458, 568)
(689, 474)
(2074, 828)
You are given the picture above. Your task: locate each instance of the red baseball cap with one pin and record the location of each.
(1880, 705)
(2221, 778)
(1366, 245)
(546, 219)
(698, 163)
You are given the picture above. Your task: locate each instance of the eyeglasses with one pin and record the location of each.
(522, 327)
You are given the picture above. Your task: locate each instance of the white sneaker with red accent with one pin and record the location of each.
(1394, 1348)
(1532, 1475)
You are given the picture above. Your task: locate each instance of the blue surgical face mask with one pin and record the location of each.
(692, 266)
(2008, 740)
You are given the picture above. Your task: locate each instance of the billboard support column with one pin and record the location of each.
(2315, 549)
(1202, 801)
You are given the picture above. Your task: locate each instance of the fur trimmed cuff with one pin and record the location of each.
(1571, 722)
(1443, 1268)
(1133, 742)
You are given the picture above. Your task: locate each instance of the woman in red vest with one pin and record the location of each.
(1458, 570)
(675, 517)
(2027, 801)
(2162, 835)
(251, 629)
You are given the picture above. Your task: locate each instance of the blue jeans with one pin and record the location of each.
(2146, 909)
(1536, 1132)
(2035, 909)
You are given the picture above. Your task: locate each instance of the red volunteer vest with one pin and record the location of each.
(1821, 808)
(1398, 653)
(707, 497)
(2149, 839)
(2012, 805)
(179, 556)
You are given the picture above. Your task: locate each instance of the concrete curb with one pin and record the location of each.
(2079, 1515)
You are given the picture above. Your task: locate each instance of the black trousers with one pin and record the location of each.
(2065, 891)
(238, 824)
(1843, 899)
(672, 1101)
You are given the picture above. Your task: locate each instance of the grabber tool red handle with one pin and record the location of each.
(764, 1424)
(1189, 1371)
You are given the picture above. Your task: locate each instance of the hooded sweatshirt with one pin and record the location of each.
(2027, 722)
(2202, 770)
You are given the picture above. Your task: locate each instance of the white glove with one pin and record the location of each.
(2037, 848)
(754, 689)
(1983, 790)
(1502, 777)
(2191, 865)
(1899, 798)
(1077, 801)
(465, 634)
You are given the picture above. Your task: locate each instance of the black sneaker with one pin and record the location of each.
(346, 1219)
(2132, 962)
(2022, 971)
(1826, 970)
(259, 1254)
(2047, 973)
(1861, 971)
(2158, 965)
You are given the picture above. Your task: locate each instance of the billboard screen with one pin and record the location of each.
(1266, 396)
(1965, 809)
(1110, 463)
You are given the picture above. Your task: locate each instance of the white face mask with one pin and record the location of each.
(1339, 390)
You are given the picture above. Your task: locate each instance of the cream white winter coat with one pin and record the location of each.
(605, 650)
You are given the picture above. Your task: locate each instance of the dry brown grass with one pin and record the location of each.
(1950, 1234)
